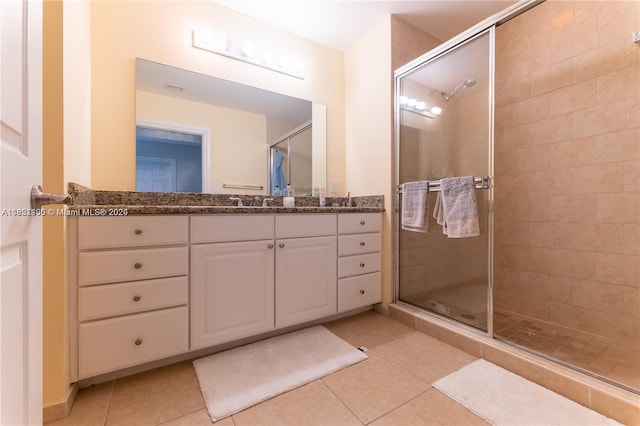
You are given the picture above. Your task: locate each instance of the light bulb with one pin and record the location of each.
(267, 55)
(285, 62)
(411, 102)
(248, 50)
(299, 67)
(436, 110)
(403, 100)
(420, 105)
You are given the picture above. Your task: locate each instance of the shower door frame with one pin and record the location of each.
(485, 27)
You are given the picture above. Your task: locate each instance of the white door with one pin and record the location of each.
(306, 279)
(21, 235)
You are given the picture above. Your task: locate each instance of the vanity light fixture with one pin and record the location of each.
(419, 107)
(248, 53)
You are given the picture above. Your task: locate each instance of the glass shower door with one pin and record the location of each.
(444, 130)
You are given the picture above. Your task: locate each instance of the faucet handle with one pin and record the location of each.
(264, 202)
(238, 199)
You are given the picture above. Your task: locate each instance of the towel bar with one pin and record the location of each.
(234, 186)
(482, 182)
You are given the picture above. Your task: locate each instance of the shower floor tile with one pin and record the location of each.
(616, 361)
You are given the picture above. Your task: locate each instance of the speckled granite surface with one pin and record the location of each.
(114, 203)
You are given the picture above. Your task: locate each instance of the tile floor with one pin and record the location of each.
(392, 387)
(617, 361)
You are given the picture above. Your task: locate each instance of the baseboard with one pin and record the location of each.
(62, 409)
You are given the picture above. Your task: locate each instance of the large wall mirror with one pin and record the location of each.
(198, 133)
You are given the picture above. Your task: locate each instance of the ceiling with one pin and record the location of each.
(340, 23)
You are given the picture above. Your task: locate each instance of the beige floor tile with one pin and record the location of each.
(430, 408)
(89, 408)
(155, 396)
(197, 418)
(423, 355)
(368, 329)
(374, 387)
(312, 404)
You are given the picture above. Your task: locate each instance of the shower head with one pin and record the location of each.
(467, 83)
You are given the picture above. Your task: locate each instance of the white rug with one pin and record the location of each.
(503, 398)
(239, 378)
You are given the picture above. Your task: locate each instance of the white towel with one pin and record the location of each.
(456, 208)
(415, 206)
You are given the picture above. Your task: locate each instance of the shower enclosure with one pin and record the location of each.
(543, 102)
(445, 131)
(290, 161)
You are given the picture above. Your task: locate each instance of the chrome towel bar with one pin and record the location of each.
(482, 182)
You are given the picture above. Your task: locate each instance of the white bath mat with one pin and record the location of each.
(239, 378)
(503, 398)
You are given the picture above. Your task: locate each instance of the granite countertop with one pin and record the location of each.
(89, 202)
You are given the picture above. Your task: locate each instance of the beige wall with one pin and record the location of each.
(368, 147)
(567, 157)
(237, 138)
(67, 147)
(161, 31)
(369, 157)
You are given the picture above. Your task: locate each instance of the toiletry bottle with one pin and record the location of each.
(321, 194)
(277, 191)
(288, 199)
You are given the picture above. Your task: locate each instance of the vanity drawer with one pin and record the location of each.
(305, 225)
(110, 300)
(359, 291)
(353, 223)
(358, 243)
(241, 227)
(131, 231)
(122, 342)
(131, 265)
(358, 265)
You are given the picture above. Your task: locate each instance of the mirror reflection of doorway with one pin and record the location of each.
(168, 161)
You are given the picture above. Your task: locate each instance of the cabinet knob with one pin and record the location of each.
(362, 222)
(281, 245)
(362, 243)
(270, 246)
(138, 341)
(362, 265)
(137, 265)
(361, 291)
(138, 231)
(137, 298)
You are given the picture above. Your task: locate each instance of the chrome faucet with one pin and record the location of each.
(264, 202)
(255, 201)
(238, 199)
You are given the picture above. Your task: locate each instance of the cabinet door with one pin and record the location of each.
(306, 279)
(231, 291)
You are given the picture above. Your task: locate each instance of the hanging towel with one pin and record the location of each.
(415, 206)
(277, 176)
(456, 208)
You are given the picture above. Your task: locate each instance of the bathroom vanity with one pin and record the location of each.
(151, 286)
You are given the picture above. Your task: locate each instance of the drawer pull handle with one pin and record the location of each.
(361, 291)
(270, 246)
(137, 265)
(362, 265)
(362, 243)
(138, 231)
(362, 222)
(281, 245)
(137, 298)
(138, 341)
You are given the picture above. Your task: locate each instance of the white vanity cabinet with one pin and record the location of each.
(232, 277)
(306, 250)
(359, 258)
(132, 291)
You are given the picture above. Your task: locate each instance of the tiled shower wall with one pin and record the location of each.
(567, 161)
